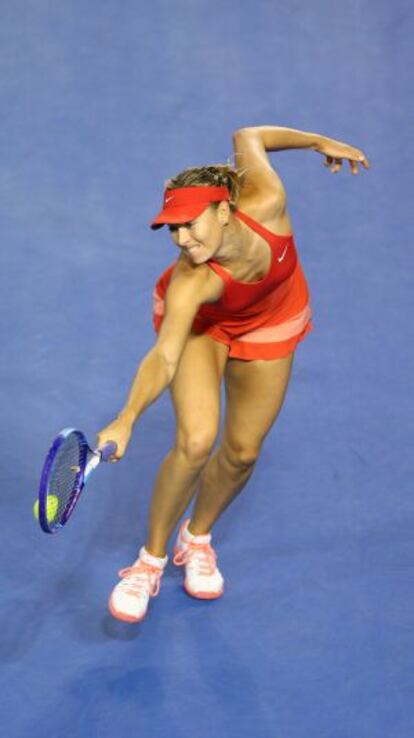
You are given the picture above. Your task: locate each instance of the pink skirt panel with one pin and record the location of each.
(264, 343)
(280, 332)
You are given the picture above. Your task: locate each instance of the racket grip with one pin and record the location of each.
(107, 450)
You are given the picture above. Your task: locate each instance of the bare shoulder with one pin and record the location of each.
(267, 211)
(198, 278)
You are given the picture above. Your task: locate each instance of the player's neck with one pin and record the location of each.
(237, 245)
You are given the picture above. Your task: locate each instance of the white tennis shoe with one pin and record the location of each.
(130, 598)
(202, 576)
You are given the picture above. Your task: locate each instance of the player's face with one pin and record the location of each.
(201, 237)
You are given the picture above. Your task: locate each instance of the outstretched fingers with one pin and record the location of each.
(335, 164)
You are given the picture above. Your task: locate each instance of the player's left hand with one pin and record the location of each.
(335, 152)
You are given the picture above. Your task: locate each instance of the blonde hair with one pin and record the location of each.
(214, 175)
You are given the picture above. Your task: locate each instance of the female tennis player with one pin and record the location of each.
(233, 306)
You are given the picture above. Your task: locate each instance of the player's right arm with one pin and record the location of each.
(189, 288)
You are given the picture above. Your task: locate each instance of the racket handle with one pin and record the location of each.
(107, 450)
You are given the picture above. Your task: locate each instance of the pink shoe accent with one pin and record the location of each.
(140, 568)
(207, 567)
(182, 539)
(204, 595)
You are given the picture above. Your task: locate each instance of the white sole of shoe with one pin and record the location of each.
(203, 595)
(123, 616)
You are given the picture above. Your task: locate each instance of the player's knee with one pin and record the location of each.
(241, 455)
(196, 446)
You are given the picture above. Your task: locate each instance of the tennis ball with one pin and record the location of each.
(52, 505)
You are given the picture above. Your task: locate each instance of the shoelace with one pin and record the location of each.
(199, 553)
(139, 577)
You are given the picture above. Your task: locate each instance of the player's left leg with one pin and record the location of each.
(255, 391)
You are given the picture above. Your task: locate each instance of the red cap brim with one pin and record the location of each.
(182, 214)
(183, 204)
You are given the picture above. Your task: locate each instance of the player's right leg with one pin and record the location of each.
(195, 393)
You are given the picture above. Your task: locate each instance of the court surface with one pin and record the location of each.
(101, 103)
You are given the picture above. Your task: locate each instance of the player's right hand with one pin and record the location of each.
(119, 431)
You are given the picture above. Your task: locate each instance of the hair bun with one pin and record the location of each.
(213, 174)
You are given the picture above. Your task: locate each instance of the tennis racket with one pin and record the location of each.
(68, 465)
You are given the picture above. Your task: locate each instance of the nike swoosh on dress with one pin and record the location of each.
(280, 258)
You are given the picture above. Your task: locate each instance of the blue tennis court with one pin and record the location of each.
(101, 103)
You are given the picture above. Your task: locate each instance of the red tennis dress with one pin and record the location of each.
(256, 320)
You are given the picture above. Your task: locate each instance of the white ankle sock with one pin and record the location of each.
(190, 537)
(144, 555)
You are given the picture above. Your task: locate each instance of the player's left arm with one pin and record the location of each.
(251, 145)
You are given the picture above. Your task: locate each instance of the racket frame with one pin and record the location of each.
(86, 467)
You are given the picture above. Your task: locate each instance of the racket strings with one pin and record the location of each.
(65, 474)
